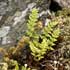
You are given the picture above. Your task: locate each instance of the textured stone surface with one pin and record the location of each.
(63, 3)
(13, 13)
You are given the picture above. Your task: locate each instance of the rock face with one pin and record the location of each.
(13, 13)
(11, 5)
(63, 3)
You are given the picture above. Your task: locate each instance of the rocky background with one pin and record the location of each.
(13, 19)
(14, 12)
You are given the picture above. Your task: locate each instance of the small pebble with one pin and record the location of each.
(55, 62)
(25, 65)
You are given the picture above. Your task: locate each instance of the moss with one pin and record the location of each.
(64, 25)
(64, 12)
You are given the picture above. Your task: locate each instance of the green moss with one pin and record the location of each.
(64, 18)
(13, 65)
(64, 12)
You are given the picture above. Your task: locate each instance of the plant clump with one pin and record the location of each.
(42, 38)
(10, 64)
(39, 38)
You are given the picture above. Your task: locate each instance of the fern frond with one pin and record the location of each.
(32, 22)
(16, 65)
(56, 33)
(25, 68)
(48, 35)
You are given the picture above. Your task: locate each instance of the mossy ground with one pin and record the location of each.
(59, 58)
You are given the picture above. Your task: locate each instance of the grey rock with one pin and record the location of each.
(63, 3)
(4, 31)
(0, 17)
(3, 7)
(19, 10)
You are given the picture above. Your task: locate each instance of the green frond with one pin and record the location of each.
(56, 33)
(31, 23)
(16, 66)
(48, 34)
(25, 68)
(53, 24)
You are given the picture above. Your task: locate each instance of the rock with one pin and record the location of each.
(15, 12)
(0, 17)
(63, 3)
(4, 31)
(43, 4)
(3, 7)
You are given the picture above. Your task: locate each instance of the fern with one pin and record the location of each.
(13, 65)
(25, 68)
(32, 22)
(16, 65)
(22, 67)
(48, 34)
(38, 49)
